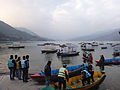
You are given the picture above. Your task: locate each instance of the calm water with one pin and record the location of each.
(38, 60)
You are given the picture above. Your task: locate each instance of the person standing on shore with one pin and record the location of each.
(27, 68)
(11, 66)
(24, 69)
(47, 71)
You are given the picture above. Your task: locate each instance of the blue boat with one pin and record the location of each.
(73, 71)
(115, 61)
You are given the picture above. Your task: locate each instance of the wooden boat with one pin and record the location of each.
(88, 49)
(49, 50)
(66, 54)
(103, 47)
(73, 71)
(109, 61)
(16, 47)
(75, 83)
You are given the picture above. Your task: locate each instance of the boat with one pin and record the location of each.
(16, 45)
(116, 51)
(103, 47)
(88, 49)
(49, 50)
(109, 61)
(73, 71)
(66, 54)
(75, 83)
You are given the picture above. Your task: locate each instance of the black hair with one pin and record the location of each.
(11, 56)
(49, 62)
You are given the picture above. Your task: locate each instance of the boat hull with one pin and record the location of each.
(76, 84)
(109, 62)
(68, 54)
(73, 71)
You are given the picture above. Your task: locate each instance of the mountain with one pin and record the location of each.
(26, 30)
(106, 35)
(8, 33)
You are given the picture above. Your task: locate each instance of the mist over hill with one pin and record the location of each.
(8, 33)
(109, 35)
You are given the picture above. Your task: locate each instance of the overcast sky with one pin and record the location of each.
(61, 19)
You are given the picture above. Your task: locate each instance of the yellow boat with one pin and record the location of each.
(75, 83)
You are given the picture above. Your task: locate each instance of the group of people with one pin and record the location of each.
(18, 67)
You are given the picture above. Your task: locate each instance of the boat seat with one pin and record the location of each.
(76, 84)
(79, 80)
(68, 86)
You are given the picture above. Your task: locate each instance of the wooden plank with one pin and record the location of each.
(68, 86)
(76, 84)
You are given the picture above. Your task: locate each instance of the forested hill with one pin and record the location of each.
(8, 33)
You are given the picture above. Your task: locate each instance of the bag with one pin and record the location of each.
(10, 63)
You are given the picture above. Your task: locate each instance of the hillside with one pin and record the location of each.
(8, 33)
(109, 35)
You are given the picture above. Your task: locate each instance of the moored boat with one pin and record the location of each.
(73, 71)
(65, 54)
(109, 61)
(49, 50)
(75, 83)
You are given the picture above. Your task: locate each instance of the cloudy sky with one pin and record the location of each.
(61, 19)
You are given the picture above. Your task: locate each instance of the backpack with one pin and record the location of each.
(10, 63)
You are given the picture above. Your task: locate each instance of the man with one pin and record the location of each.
(24, 69)
(63, 76)
(47, 71)
(11, 66)
(85, 77)
(27, 68)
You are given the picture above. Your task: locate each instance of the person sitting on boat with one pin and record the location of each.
(85, 65)
(85, 77)
(63, 76)
(47, 71)
(91, 71)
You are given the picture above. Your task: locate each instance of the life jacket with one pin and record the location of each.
(62, 72)
(17, 65)
(87, 73)
(10, 63)
(23, 65)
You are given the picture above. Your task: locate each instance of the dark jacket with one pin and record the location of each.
(47, 70)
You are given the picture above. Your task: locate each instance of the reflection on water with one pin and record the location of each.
(38, 60)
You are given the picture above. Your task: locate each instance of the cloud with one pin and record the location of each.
(62, 19)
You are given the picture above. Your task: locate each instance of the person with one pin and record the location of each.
(63, 76)
(91, 71)
(27, 60)
(85, 65)
(85, 58)
(90, 59)
(47, 71)
(24, 69)
(18, 68)
(11, 66)
(101, 63)
(85, 77)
